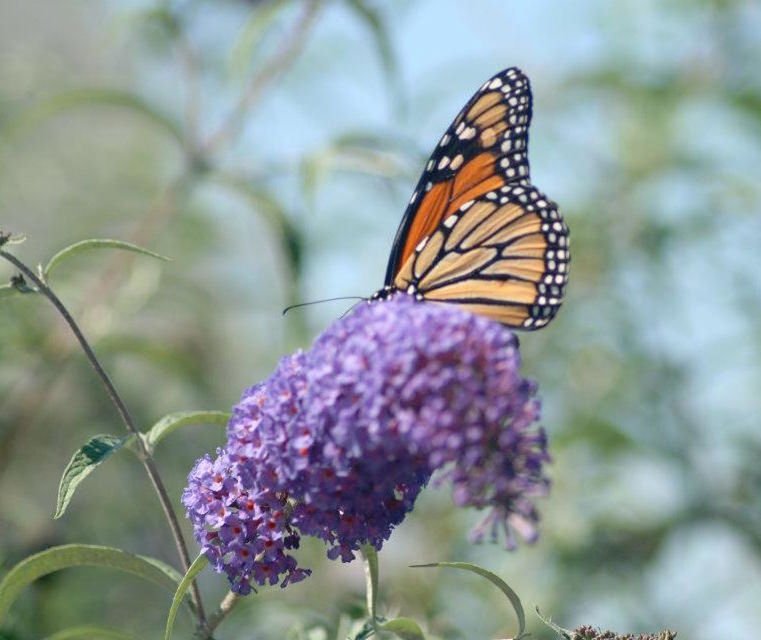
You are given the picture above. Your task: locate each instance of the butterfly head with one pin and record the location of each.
(389, 290)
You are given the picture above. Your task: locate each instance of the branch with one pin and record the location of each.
(143, 454)
(225, 607)
(281, 60)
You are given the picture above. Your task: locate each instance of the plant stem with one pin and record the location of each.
(370, 558)
(281, 59)
(143, 454)
(227, 605)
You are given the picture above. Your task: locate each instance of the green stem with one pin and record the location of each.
(143, 454)
(370, 558)
(225, 607)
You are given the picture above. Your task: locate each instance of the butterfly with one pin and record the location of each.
(476, 232)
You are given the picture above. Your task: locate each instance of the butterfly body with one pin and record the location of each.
(476, 232)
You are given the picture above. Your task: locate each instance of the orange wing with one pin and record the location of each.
(504, 255)
(484, 149)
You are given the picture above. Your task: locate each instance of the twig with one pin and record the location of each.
(143, 454)
(189, 62)
(227, 605)
(281, 60)
(55, 347)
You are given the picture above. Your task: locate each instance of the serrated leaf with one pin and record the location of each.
(82, 464)
(69, 100)
(198, 565)
(404, 628)
(89, 632)
(96, 243)
(170, 423)
(77, 555)
(496, 581)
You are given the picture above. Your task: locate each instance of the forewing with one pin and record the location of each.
(483, 149)
(504, 255)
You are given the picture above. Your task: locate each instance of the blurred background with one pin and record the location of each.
(269, 148)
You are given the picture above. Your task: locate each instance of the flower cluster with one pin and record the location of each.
(340, 440)
(591, 633)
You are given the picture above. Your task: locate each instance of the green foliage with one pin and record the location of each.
(498, 582)
(199, 564)
(79, 555)
(648, 141)
(404, 628)
(82, 464)
(86, 98)
(98, 448)
(94, 243)
(90, 632)
(170, 423)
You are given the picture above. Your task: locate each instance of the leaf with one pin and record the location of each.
(253, 34)
(266, 203)
(562, 633)
(77, 98)
(8, 291)
(496, 581)
(170, 423)
(374, 22)
(82, 464)
(77, 555)
(198, 565)
(370, 557)
(404, 628)
(95, 243)
(89, 632)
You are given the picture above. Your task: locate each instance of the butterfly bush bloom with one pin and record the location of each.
(338, 442)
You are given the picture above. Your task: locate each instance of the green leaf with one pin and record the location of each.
(198, 565)
(404, 628)
(267, 204)
(8, 290)
(254, 33)
(82, 464)
(374, 22)
(95, 243)
(77, 555)
(170, 423)
(562, 633)
(370, 557)
(90, 632)
(77, 98)
(496, 581)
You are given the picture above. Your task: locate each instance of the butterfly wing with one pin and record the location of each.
(484, 149)
(504, 255)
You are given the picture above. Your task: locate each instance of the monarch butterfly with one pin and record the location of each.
(476, 232)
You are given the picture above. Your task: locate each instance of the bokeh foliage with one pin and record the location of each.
(269, 148)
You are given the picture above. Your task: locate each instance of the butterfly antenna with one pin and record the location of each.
(351, 308)
(306, 304)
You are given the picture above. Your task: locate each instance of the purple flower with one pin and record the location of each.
(338, 441)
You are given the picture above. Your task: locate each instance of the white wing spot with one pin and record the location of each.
(443, 162)
(449, 222)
